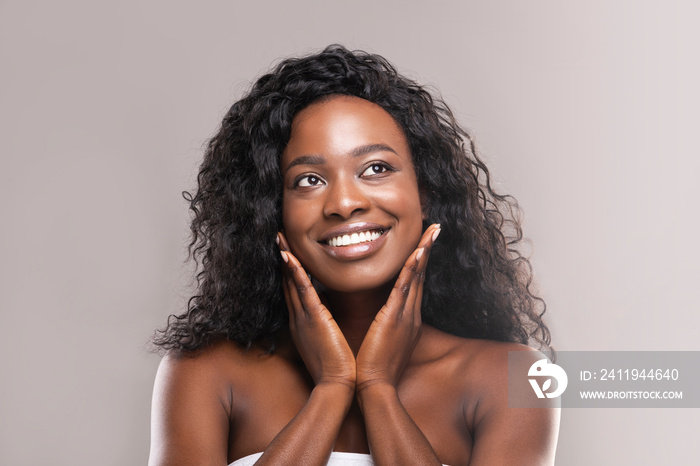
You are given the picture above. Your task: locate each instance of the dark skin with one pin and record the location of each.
(357, 370)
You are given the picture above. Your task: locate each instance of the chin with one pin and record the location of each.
(357, 280)
(358, 287)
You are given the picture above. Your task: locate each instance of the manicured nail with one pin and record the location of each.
(285, 258)
(436, 233)
(419, 254)
(277, 239)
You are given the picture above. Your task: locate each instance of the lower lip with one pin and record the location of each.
(356, 251)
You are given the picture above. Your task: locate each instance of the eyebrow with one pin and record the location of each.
(356, 152)
(369, 148)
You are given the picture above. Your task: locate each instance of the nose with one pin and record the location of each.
(345, 198)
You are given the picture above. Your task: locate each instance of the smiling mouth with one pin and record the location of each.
(355, 238)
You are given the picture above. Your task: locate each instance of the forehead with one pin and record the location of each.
(338, 125)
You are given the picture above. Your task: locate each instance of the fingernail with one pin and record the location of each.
(436, 233)
(277, 239)
(419, 254)
(285, 258)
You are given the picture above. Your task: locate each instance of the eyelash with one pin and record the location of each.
(385, 169)
(303, 177)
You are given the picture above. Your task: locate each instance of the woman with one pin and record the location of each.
(359, 287)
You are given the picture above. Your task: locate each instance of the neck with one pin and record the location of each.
(355, 312)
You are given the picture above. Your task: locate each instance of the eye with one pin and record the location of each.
(375, 169)
(308, 181)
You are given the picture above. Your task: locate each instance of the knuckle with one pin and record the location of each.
(403, 288)
(302, 289)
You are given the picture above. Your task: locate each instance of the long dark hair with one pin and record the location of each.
(477, 283)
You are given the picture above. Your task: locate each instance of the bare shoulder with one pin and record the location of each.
(192, 404)
(486, 357)
(490, 359)
(206, 362)
(501, 434)
(477, 369)
(197, 371)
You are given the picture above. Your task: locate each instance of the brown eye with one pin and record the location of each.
(308, 181)
(375, 169)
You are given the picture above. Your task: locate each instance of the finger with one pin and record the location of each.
(285, 290)
(295, 299)
(303, 289)
(415, 295)
(417, 304)
(294, 305)
(282, 241)
(417, 261)
(291, 308)
(409, 285)
(284, 251)
(302, 295)
(428, 239)
(426, 243)
(429, 236)
(402, 287)
(289, 268)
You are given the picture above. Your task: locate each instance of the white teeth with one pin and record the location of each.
(354, 238)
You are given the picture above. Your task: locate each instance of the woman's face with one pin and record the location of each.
(351, 206)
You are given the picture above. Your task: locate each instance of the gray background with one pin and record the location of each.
(586, 112)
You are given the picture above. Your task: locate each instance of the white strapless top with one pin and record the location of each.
(338, 458)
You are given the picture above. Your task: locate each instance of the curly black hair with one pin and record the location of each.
(477, 283)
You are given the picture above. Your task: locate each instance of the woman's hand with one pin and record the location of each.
(319, 340)
(393, 335)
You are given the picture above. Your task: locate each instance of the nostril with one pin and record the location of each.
(344, 202)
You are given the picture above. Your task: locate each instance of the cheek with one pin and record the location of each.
(293, 222)
(298, 220)
(408, 208)
(415, 232)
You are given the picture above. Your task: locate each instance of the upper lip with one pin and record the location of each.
(350, 229)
